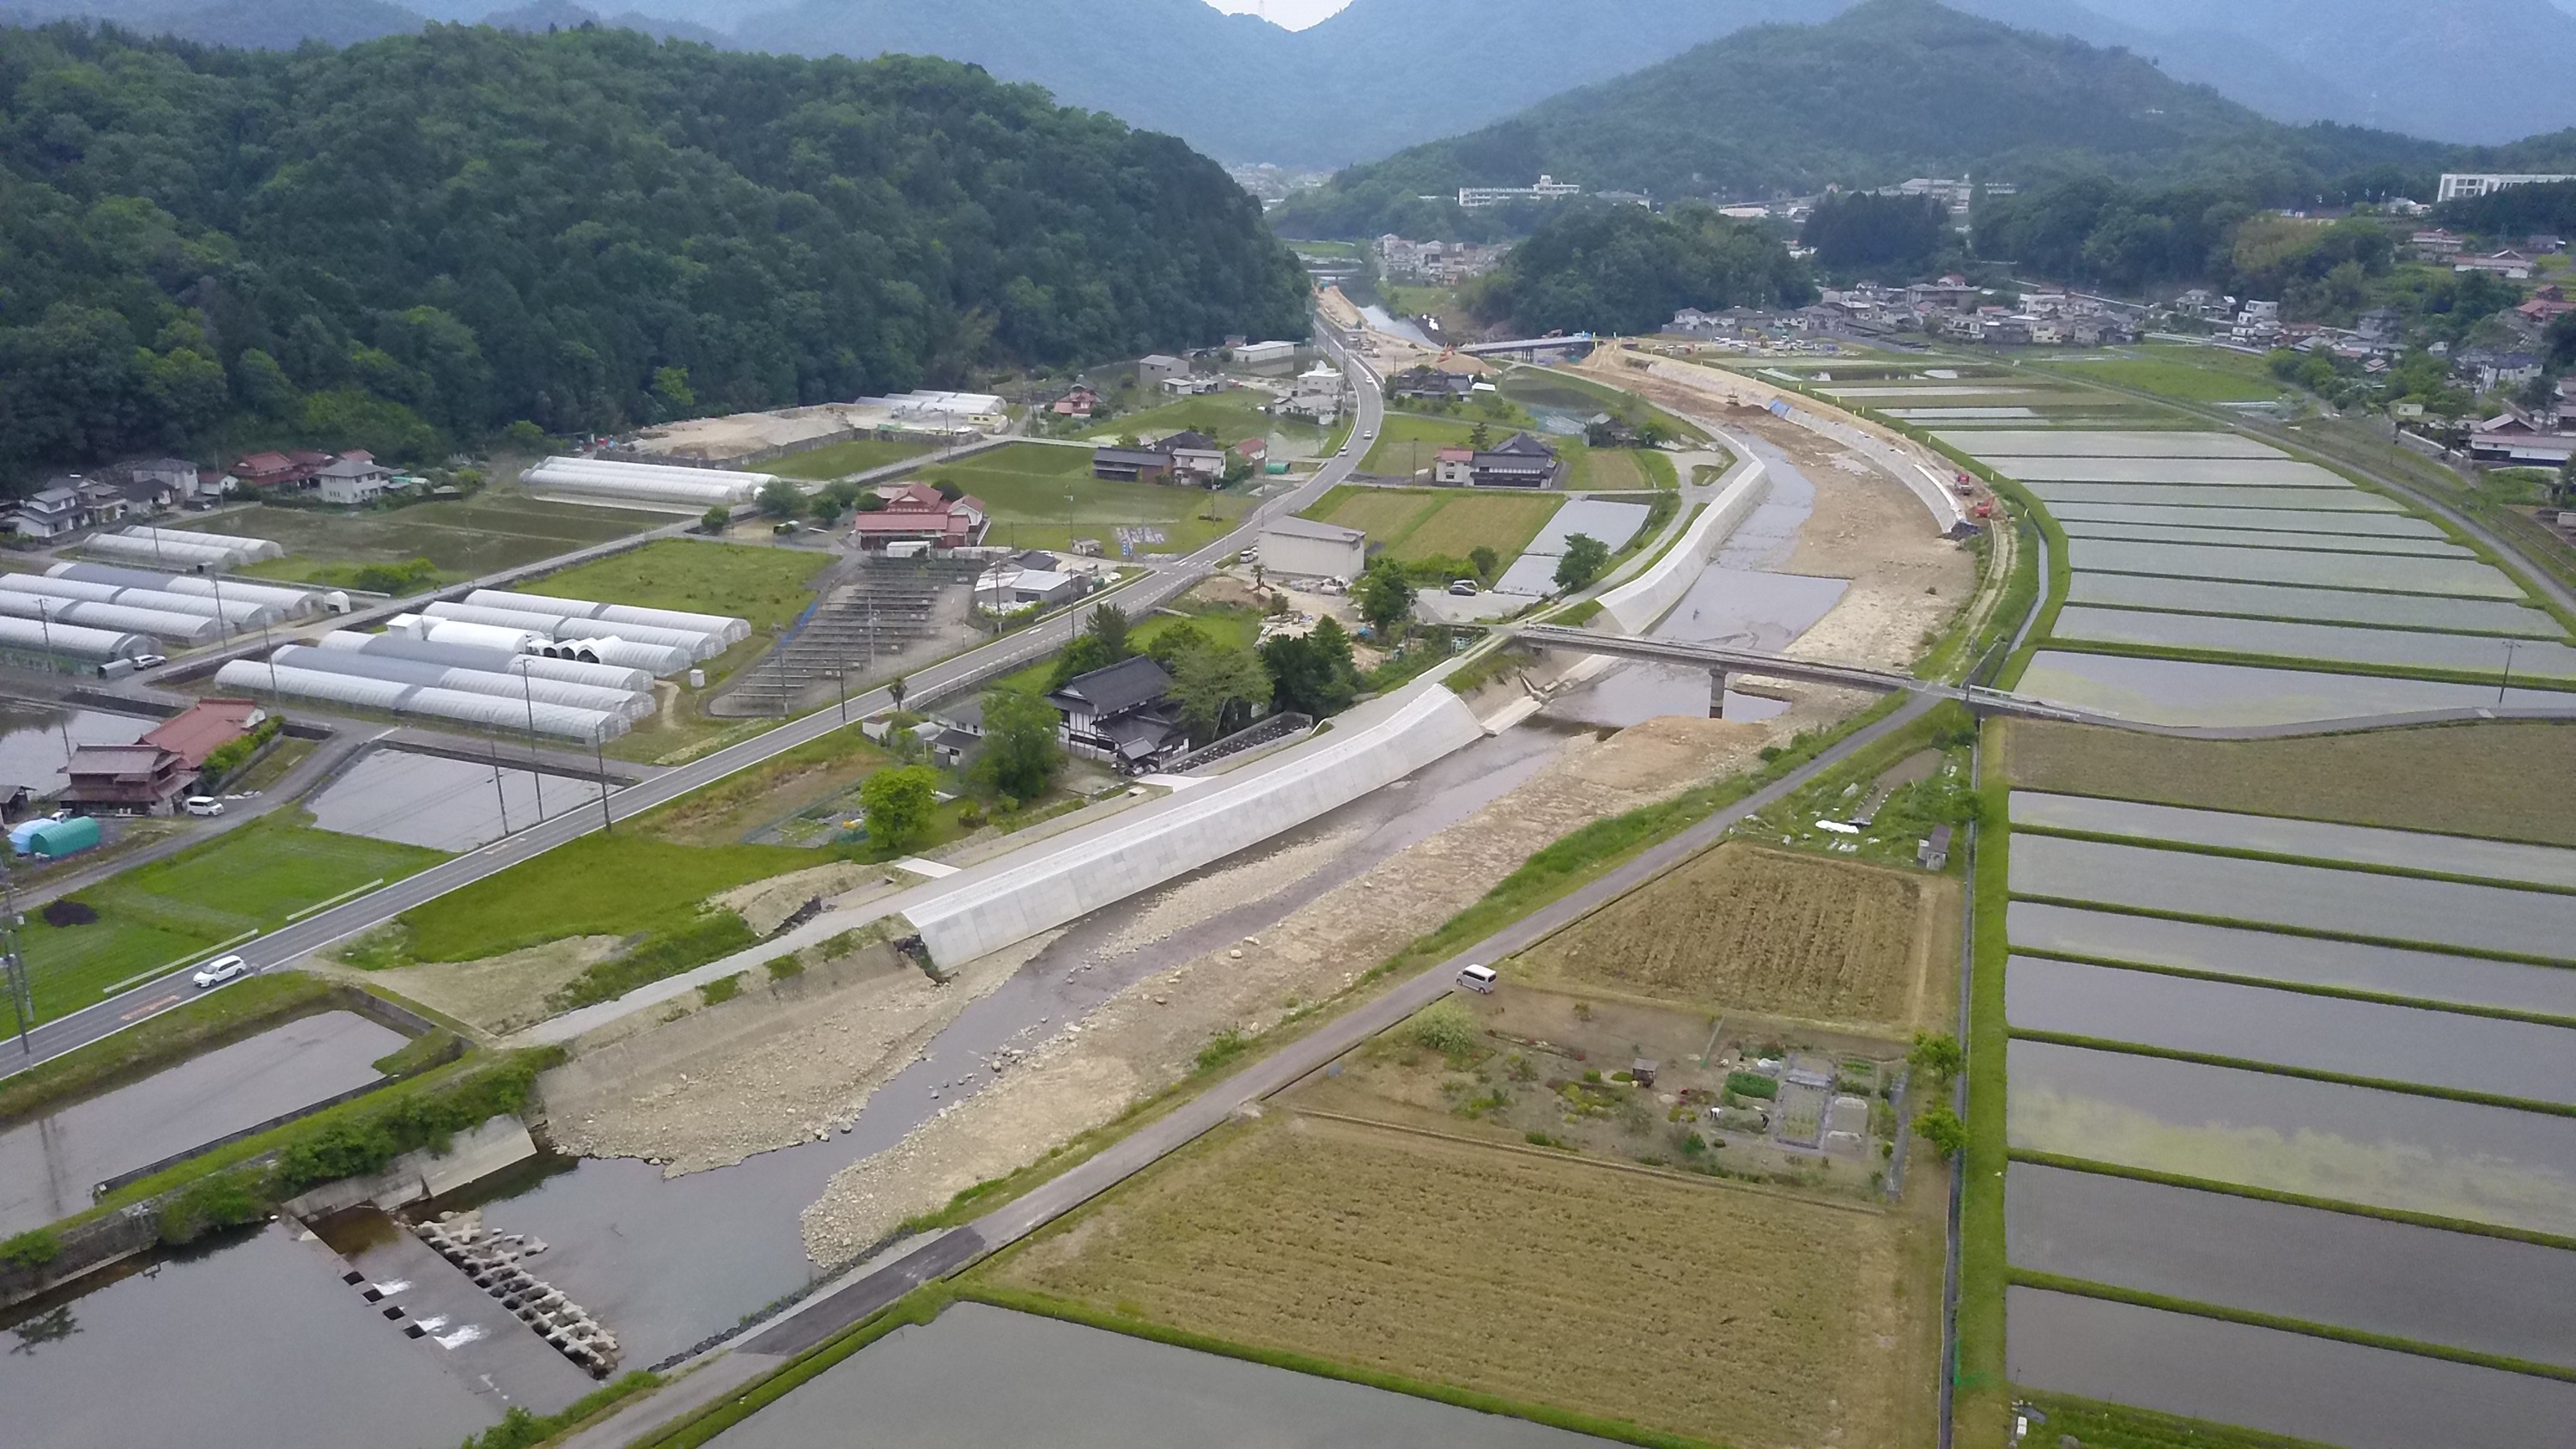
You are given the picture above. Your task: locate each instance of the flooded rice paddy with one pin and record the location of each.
(444, 803)
(2326, 643)
(2293, 960)
(48, 1165)
(2106, 443)
(2286, 1383)
(36, 740)
(2434, 1048)
(2336, 902)
(1042, 1381)
(2187, 692)
(2185, 495)
(250, 1340)
(2285, 520)
(2205, 474)
(2446, 577)
(2329, 1140)
(2239, 536)
(2348, 606)
(2465, 1290)
(2503, 860)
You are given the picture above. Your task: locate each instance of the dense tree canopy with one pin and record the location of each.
(1853, 230)
(414, 242)
(1626, 269)
(2545, 208)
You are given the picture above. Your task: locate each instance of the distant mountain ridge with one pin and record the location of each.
(1384, 74)
(1888, 89)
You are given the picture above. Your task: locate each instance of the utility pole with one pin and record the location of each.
(223, 626)
(536, 767)
(2509, 646)
(498, 794)
(22, 997)
(599, 757)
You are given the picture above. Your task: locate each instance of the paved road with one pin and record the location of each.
(954, 675)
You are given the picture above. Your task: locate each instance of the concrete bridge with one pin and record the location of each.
(1726, 661)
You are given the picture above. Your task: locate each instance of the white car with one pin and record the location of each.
(1463, 588)
(150, 661)
(220, 970)
(202, 805)
(1371, 433)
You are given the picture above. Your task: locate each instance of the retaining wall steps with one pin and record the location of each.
(492, 1261)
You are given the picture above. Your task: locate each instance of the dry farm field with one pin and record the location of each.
(1728, 1314)
(2510, 780)
(1742, 928)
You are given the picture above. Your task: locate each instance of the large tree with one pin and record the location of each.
(1021, 752)
(1219, 687)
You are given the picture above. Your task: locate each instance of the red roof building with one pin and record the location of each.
(205, 727)
(917, 512)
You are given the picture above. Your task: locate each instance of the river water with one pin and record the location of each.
(1741, 598)
(666, 1262)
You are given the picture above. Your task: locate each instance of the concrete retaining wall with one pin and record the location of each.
(470, 1156)
(1366, 750)
(1634, 606)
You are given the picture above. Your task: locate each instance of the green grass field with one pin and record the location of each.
(463, 538)
(1228, 417)
(624, 884)
(856, 456)
(2189, 374)
(1414, 523)
(248, 879)
(768, 586)
(1043, 496)
(1228, 627)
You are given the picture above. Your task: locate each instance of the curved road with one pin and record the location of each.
(962, 671)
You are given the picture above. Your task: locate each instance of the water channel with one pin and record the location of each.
(1041, 1381)
(1741, 598)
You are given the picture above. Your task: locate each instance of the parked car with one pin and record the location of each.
(220, 970)
(150, 661)
(1463, 588)
(1477, 978)
(202, 805)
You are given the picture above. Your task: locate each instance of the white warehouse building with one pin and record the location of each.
(1300, 548)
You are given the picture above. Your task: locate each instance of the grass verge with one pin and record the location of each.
(1982, 1406)
(768, 586)
(520, 1429)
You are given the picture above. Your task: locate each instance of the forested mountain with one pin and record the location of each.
(1889, 89)
(415, 241)
(1383, 74)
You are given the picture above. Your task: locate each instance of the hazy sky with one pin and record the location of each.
(1294, 14)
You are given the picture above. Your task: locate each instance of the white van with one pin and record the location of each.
(1478, 978)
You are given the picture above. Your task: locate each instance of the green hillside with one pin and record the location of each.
(1887, 90)
(414, 242)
